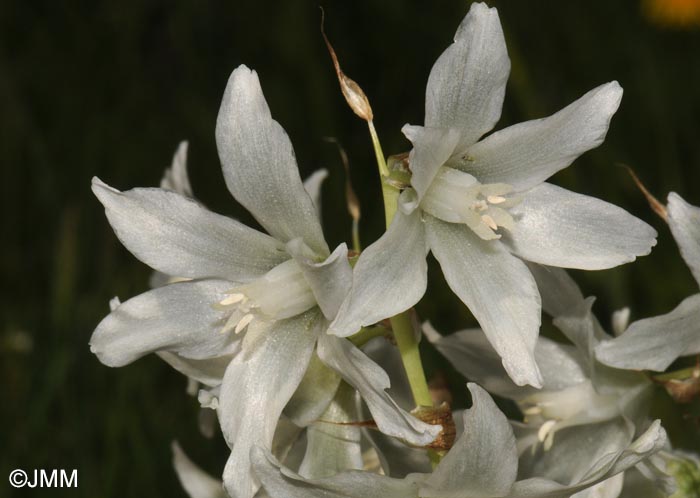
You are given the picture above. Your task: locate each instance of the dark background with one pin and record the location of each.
(110, 88)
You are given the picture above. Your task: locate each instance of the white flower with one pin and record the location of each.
(576, 389)
(654, 343)
(261, 302)
(482, 207)
(483, 463)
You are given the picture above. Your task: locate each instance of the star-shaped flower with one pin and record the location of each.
(481, 205)
(261, 302)
(483, 463)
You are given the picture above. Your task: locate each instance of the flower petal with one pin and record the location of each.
(483, 461)
(468, 81)
(561, 296)
(315, 392)
(259, 165)
(654, 343)
(257, 385)
(281, 482)
(557, 227)
(432, 147)
(474, 357)
(684, 220)
(526, 154)
(390, 276)
(330, 280)
(196, 482)
(177, 318)
(497, 288)
(358, 370)
(332, 446)
(209, 371)
(312, 185)
(179, 237)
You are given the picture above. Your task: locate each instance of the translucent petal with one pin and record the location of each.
(179, 237)
(556, 227)
(468, 81)
(259, 165)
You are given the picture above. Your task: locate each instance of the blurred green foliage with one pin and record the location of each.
(109, 88)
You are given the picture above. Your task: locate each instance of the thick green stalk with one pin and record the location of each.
(401, 323)
(410, 356)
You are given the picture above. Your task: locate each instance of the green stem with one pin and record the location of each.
(368, 333)
(410, 356)
(683, 374)
(401, 323)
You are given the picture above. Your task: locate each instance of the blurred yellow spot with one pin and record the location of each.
(680, 13)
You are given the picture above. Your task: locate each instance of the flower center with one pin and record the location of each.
(281, 293)
(574, 405)
(457, 197)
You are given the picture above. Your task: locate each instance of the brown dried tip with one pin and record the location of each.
(354, 96)
(442, 415)
(352, 202)
(654, 203)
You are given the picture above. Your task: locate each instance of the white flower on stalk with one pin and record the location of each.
(482, 207)
(654, 343)
(483, 463)
(261, 302)
(576, 389)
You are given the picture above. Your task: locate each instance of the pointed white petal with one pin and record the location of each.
(331, 447)
(497, 288)
(196, 482)
(177, 318)
(179, 237)
(281, 482)
(313, 185)
(654, 343)
(259, 165)
(257, 385)
(330, 280)
(684, 220)
(556, 227)
(526, 154)
(175, 177)
(483, 461)
(474, 357)
(468, 81)
(390, 276)
(314, 394)
(432, 147)
(371, 381)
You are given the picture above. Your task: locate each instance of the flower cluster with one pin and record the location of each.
(284, 341)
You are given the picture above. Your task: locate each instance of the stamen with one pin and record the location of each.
(495, 199)
(244, 322)
(489, 222)
(232, 299)
(545, 429)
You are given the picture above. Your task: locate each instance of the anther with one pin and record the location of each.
(244, 322)
(489, 222)
(232, 299)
